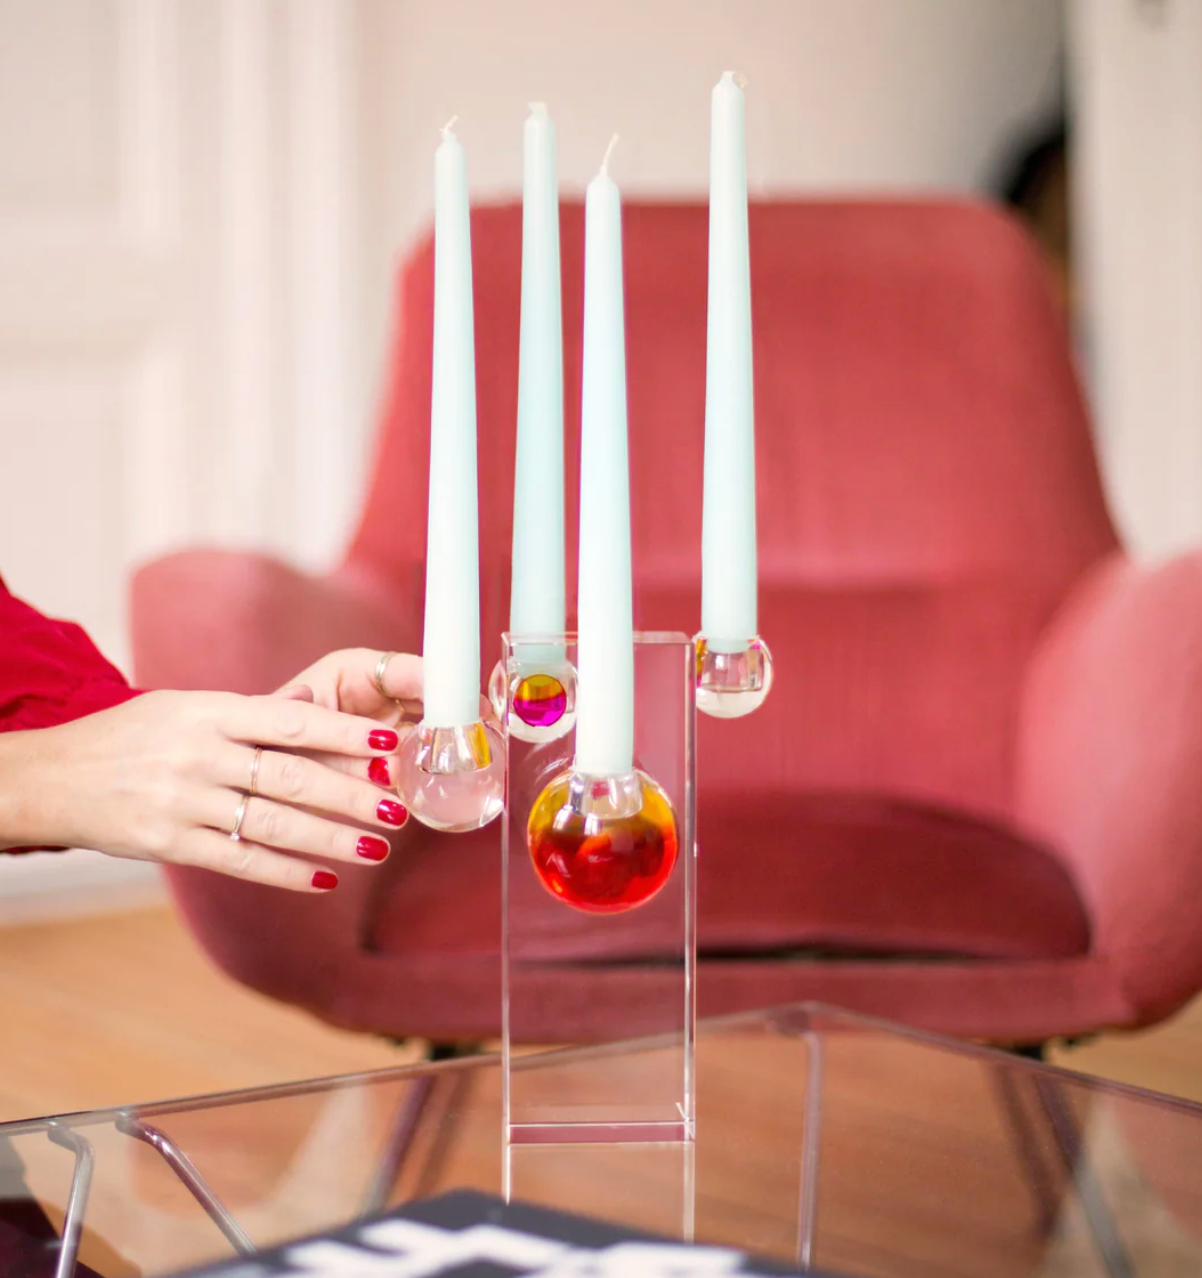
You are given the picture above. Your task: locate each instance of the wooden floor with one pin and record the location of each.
(124, 1008)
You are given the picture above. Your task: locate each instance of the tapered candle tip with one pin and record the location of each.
(450, 124)
(734, 77)
(609, 150)
(538, 110)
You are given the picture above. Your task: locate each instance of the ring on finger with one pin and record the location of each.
(236, 832)
(254, 772)
(378, 677)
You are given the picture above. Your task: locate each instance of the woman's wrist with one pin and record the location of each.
(28, 791)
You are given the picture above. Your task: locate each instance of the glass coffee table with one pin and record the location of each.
(828, 1139)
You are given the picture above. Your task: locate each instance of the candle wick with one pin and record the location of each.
(609, 150)
(450, 124)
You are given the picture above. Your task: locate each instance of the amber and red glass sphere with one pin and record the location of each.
(603, 844)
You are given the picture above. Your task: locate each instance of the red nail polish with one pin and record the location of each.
(371, 848)
(377, 771)
(382, 739)
(392, 812)
(324, 880)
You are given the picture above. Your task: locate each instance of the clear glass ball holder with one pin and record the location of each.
(602, 844)
(452, 779)
(535, 700)
(732, 681)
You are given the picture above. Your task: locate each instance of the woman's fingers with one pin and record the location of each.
(299, 725)
(279, 825)
(381, 771)
(402, 676)
(309, 783)
(209, 850)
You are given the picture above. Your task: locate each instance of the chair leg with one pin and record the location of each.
(397, 1146)
(1072, 1157)
(452, 1051)
(1067, 1132)
(405, 1127)
(1047, 1189)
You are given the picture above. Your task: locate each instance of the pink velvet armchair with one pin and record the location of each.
(971, 801)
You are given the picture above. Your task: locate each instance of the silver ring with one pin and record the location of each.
(378, 677)
(236, 832)
(254, 771)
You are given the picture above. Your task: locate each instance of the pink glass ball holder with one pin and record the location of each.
(452, 779)
(535, 699)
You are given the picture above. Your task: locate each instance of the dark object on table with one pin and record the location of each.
(471, 1235)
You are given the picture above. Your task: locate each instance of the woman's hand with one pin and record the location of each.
(163, 778)
(382, 685)
(386, 686)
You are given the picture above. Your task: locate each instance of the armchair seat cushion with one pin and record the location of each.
(863, 876)
(844, 876)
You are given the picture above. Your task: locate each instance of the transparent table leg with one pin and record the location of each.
(197, 1186)
(77, 1200)
(807, 1214)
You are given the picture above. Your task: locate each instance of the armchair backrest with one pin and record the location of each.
(927, 485)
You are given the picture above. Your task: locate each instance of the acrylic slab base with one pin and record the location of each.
(566, 969)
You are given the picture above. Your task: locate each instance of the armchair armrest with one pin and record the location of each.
(241, 622)
(1109, 768)
(247, 623)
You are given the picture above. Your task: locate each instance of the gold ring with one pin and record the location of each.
(236, 832)
(254, 771)
(378, 677)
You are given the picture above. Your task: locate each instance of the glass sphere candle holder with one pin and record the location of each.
(452, 779)
(535, 701)
(603, 844)
(731, 684)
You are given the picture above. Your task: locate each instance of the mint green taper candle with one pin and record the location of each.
(605, 647)
(728, 539)
(451, 644)
(536, 604)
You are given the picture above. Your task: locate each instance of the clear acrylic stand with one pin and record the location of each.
(572, 976)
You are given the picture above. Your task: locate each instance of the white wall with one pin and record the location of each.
(1136, 88)
(177, 309)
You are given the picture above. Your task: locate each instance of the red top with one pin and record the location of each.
(50, 671)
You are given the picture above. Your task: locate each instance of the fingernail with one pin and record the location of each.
(325, 880)
(371, 848)
(392, 812)
(377, 771)
(382, 739)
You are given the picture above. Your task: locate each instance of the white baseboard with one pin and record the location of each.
(40, 886)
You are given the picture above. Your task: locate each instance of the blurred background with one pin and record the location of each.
(202, 203)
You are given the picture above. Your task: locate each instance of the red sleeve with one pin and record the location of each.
(50, 672)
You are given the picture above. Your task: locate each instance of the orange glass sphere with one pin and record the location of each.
(603, 844)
